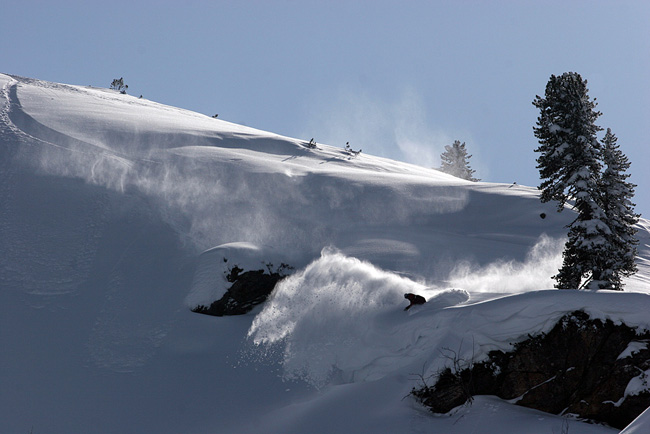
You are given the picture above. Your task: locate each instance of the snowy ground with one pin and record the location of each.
(116, 215)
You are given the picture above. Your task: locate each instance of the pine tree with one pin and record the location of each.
(455, 161)
(616, 195)
(570, 170)
(586, 253)
(566, 131)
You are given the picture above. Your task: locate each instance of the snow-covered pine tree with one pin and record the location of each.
(616, 195)
(570, 170)
(586, 254)
(455, 161)
(566, 131)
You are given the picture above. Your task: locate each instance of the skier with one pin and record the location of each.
(413, 299)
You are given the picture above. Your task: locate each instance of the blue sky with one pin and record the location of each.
(400, 79)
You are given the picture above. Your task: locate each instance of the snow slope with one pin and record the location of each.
(639, 425)
(118, 214)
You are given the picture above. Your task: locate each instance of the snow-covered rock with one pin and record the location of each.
(220, 267)
(574, 369)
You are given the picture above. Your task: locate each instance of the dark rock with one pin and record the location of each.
(248, 289)
(573, 369)
(448, 393)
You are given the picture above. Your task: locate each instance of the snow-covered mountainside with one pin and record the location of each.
(118, 215)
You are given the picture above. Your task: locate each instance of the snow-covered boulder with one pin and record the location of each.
(233, 278)
(585, 367)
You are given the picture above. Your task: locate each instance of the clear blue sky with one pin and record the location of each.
(399, 79)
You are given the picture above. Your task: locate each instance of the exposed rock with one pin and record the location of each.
(248, 289)
(580, 367)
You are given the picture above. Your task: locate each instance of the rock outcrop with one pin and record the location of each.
(249, 288)
(585, 367)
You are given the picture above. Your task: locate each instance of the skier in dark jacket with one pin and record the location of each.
(414, 299)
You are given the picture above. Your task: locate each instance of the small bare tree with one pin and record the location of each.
(118, 84)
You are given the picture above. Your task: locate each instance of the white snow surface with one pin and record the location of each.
(119, 214)
(640, 425)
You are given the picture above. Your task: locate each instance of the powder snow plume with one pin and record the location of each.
(333, 317)
(341, 319)
(542, 262)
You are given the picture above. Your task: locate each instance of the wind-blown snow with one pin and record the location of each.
(118, 214)
(327, 312)
(542, 262)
